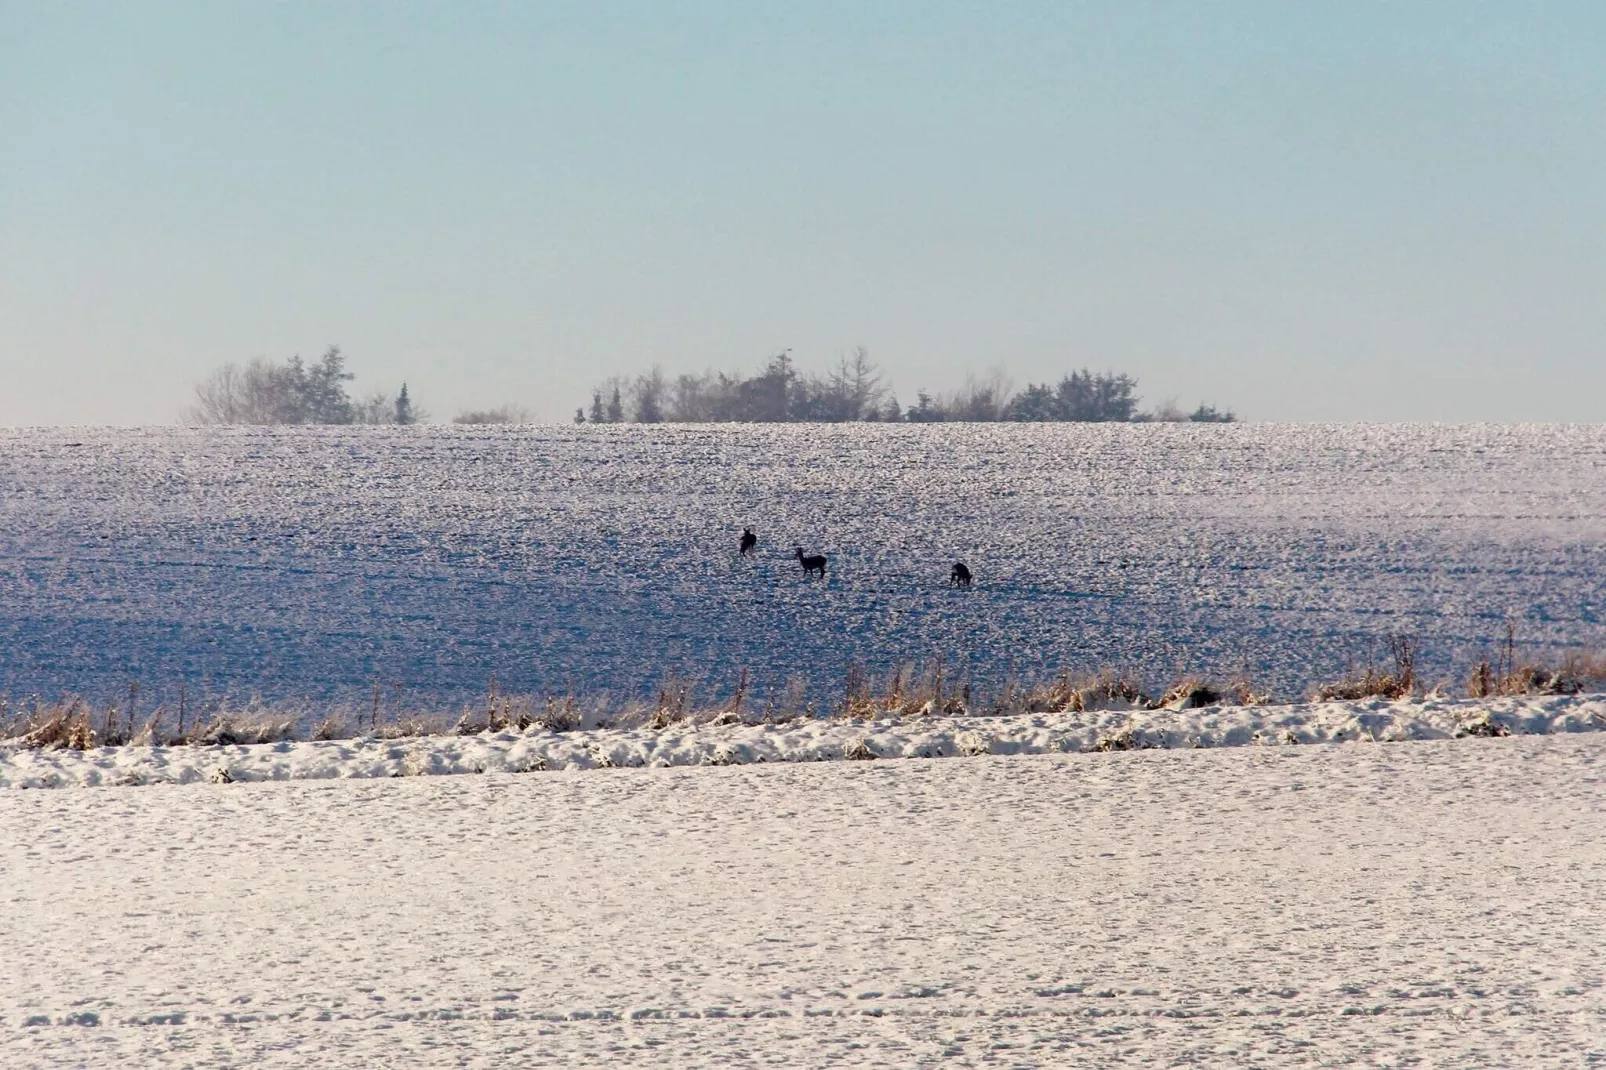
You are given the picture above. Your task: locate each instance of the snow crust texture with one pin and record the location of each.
(538, 750)
(311, 563)
(1437, 904)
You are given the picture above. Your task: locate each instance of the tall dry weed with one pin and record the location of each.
(63, 726)
(911, 691)
(1505, 675)
(1374, 682)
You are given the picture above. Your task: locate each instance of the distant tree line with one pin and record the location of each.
(853, 391)
(295, 392)
(261, 391)
(850, 391)
(505, 414)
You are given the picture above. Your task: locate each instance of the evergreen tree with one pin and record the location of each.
(1084, 396)
(1035, 404)
(404, 407)
(764, 398)
(1209, 414)
(320, 391)
(926, 410)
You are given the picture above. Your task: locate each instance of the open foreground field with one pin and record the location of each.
(1421, 904)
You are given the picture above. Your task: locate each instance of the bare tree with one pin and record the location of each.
(295, 392)
(853, 387)
(689, 400)
(982, 400)
(219, 397)
(377, 408)
(257, 392)
(505, 414)
(1167, 412)
(648, 394)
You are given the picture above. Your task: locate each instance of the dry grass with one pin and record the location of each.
(1191, 694)
(859, 751)
(1375, 683)
(74, 724)
(1241, 691)
(1124, 738)
(674, 703)
(1506, 675)
(66, 725)
(911, 691)
(412, 727)
(504, 712)
(926, 690)
(932, 689)
(333, 728)
(1083, 693)
(1370, 684)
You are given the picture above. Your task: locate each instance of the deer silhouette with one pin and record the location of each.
(749, 540)
(959, 575)
(816, 563)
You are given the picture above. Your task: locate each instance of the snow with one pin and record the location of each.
(305, 565)
(804, 739)
(1426, 904)
(993, 890)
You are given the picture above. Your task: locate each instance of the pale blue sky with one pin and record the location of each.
(1358, 210)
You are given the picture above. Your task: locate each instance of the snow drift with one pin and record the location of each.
(806, 740)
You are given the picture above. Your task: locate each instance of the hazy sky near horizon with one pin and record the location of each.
(1360, 210)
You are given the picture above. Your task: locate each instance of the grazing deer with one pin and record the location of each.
(959, 575)
(815, 563)
(749, 540)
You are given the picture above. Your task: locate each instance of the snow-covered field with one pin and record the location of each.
(720, 742)
(1427, 904)
(1011, 892)
(307, 565)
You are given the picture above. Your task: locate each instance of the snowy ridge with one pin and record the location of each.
(806, 740)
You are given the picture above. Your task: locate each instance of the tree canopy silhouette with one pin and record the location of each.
(295, 392)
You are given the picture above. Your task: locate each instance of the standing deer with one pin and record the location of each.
(959, 575)
(816, 563)
(749, 540)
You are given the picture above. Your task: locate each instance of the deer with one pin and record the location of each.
(749, 540)
(816, 563)
(959, 575)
